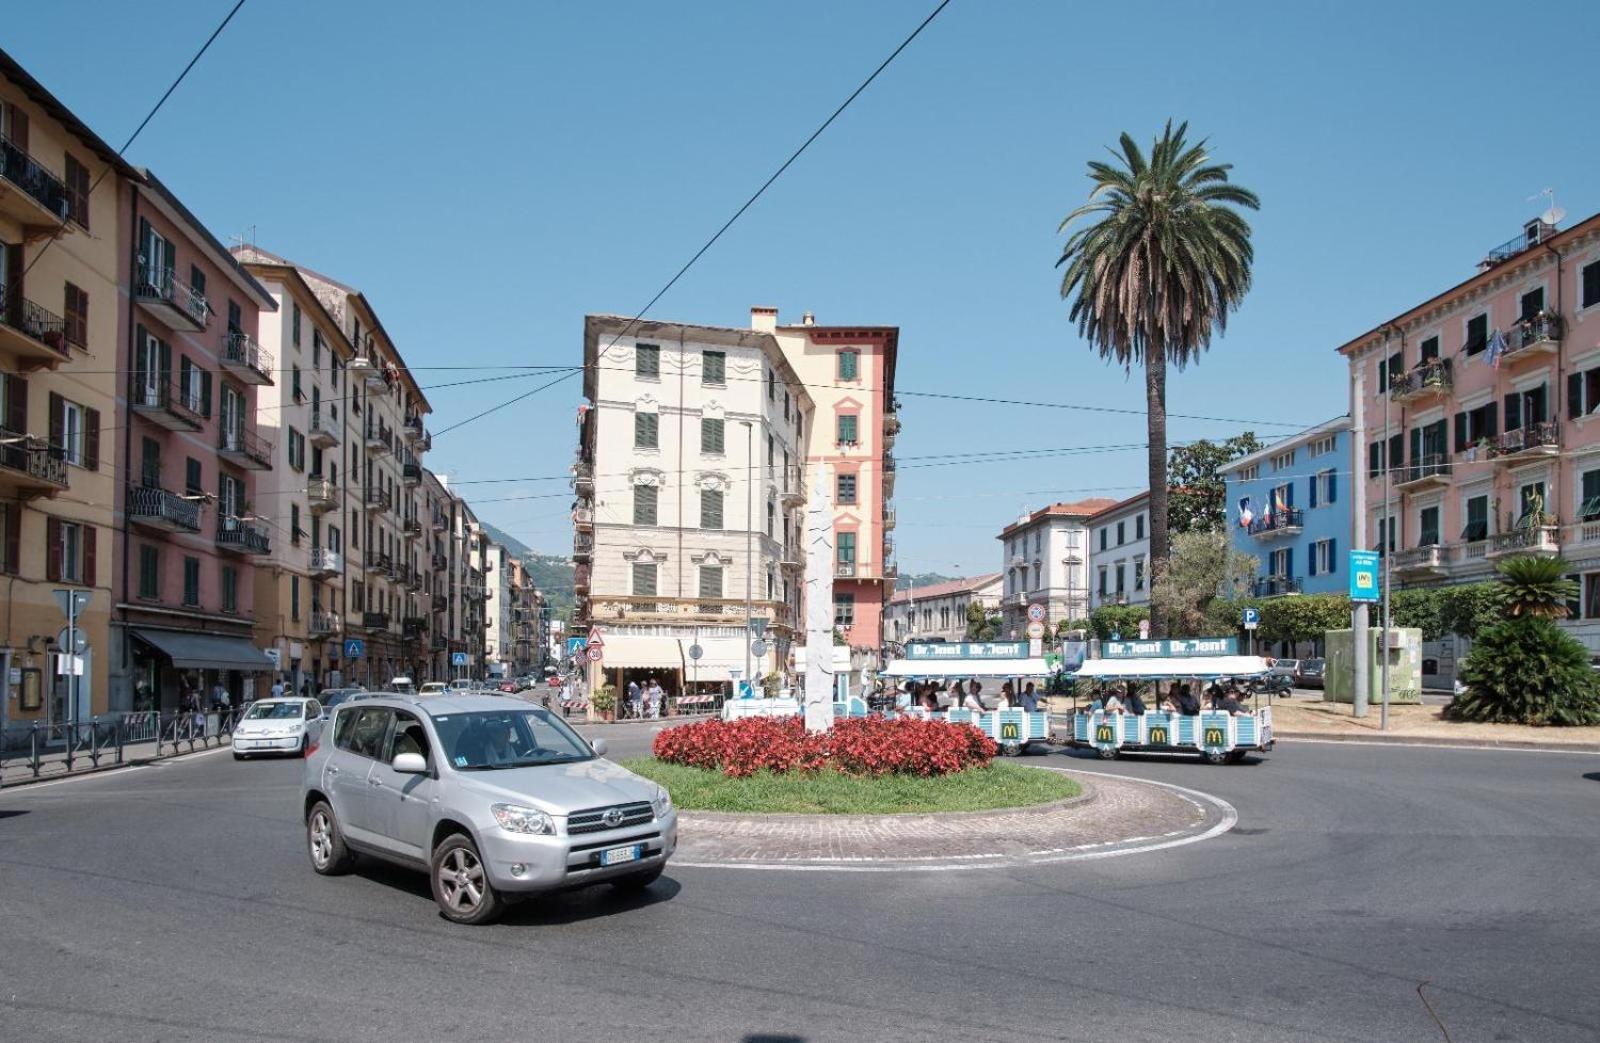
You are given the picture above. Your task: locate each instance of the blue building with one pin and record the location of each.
(1293, 498)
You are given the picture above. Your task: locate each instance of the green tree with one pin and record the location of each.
(981, 626)
(1203, 567)
(1536, 587)
(1117, 619)
(1195, 492)
(1154, 275)
(1304, 618)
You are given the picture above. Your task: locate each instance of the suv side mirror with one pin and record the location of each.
(599, 746)
(410, 764)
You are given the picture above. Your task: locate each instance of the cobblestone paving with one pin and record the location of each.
(1112, 812)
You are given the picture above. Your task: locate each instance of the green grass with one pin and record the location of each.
(1001, 785)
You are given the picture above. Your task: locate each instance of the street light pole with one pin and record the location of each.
(749, 542)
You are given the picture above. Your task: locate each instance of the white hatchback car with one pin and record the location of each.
(277, 726)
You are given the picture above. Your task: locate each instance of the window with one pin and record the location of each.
(849, 364)
(847, 489)
(11, 543)
(294, 384)
(191, 582)
(230, 589)
(1325, 488)
(294, 523)
(1589, 507)
(844, 610)
(711, 508)
(1428, 351)
(644, 504)
(1138, 573)
(847, 430)
(1390, 370)
(712, 435)
(76, 432)
(1322, 558)
(294, 326)
(197, 281)
(294, 597)
(644, 577)
(772, 387)
(646, 431)
(77, 180)
(191, 477)
(1532, 303)
(1103, 575)
(845, 549)
(77, 325)
(647, 361)
(713, 367)
(1477, 334)
(1105, 536)
(1428, 527)
(1322, 446)
(1138, 527)
(1589, 285)
(1250, 474)
(1283, 461)
(1122, 579)
(786, 404)
(1477, 525)
(149, 572)
(1583, 393)
(1122, 532)
(150, 463)
(1477, 426)
(711, 581)
(297, 450)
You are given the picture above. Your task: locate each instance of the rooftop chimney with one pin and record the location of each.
(763, 320)
(808, 319)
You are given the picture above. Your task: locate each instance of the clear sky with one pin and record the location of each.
(488, 172)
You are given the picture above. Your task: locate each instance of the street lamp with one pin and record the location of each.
(749, 538)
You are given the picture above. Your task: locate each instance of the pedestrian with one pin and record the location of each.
(277, 687)
(305, 688)
(631, 704)
(655, 698)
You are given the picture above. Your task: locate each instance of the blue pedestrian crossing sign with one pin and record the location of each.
(1252, 618)
(354, 648)
(458, 659)
(576, 645)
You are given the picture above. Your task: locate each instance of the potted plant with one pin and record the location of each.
(604, 701)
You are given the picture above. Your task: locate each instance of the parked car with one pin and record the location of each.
(1310, 674)
(486, 797)
(462, 684)
(433, 688)
(508, 687)
(1284, 667)
(331, 697)
(277, 726)
(402, 686)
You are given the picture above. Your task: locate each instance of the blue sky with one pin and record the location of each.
(490, 172)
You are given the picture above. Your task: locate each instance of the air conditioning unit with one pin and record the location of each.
(1396, 640)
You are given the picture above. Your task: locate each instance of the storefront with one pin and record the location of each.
(168, 665)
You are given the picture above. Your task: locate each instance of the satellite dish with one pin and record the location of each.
(1553, 216)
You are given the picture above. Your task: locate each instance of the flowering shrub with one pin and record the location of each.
(855, 745)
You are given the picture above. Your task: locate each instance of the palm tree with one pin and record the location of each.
(1534, 587)
(1156, 273)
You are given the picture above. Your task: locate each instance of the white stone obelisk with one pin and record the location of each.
(819, 603)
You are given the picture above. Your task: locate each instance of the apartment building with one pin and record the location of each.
(1288, 506)
(690, 492)
(62, 321)
(1046, 562)
(500, 596)
(848, 372)
(1474, 419)
(471, 592)
(437, 553)
(938, 611)
(1119, 553)
(300, 598)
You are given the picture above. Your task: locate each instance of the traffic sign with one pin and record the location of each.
(458, 659)
(695, 651)
(1252, 618)
(1036, 613)
(80, 641)
(1364, 575)
(575, 645)
(758, 647)
(759, 624)
(594, 637)
(1035, 630)
(72, 602)
(595, 652)
(554, 682)
(354, 648)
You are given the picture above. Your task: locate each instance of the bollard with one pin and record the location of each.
(94, 740)
(33, 742)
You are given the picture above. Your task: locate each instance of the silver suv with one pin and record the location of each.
(494, 798)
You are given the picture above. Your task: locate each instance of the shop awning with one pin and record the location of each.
(206, 651)
(1177, 668)
(946, 668)
(632, 650)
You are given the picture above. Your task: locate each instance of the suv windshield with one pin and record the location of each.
(274, 711)
(490, 739)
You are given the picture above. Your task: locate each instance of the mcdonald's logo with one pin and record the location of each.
(1105, 733)
(1158, 736)
(1010, 730)
(1216, 737)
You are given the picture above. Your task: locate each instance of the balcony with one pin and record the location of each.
(1537, 337)
(582, 547)
(1433, 470)
(439, 643)
(1287, 522)
(1431, 379)
(414, 626)
(29, 194)
(322, 624)
(845, 569)
(153, 507)
(246, 359)
(646, 609)
(177, 305)
(794, 487)
(381, 379)
(888, 475)
(36, 338)
(1535, 440)
(412, 429)
(241, 537)
(162, 402)
(441, 603)
(1525, 539)
(440, 562)
(888, 518)
(583, 517)
(411, 472)
(321, 495)
(580, 578)
(29, 467)
(378, 563)
(245, 449)
(1275, 586)
(324, 430)
(583, 478)
(1426, 562)
(375, 499)
(379, 439)
(325, 562)
(412, 577)
(412, 528)
(376, 622)
(441, 521)
(791, 559)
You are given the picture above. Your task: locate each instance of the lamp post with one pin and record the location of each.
(749, 541)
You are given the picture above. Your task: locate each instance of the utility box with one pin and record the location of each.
(1404, 653)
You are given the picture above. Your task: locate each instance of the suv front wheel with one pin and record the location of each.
(324, 842)
(461, 884)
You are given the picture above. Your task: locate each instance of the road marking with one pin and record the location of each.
(1083, 853)
(1439, 746)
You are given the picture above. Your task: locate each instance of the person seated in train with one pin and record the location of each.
(1030, 698)
(1133, 702)
(1187, 702)
(1111, 702)
(1007, 698)
(973, 700)
(1229, 702)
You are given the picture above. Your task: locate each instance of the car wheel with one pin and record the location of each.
(329, 855)
(238, 756)
(1107, 753)
(1213, 757)
(637, 881)
(461, 884)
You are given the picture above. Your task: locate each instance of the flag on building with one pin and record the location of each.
(1279, 505)
(1246, 515)
(1497, 348)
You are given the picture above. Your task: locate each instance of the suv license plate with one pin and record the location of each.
(618, 855)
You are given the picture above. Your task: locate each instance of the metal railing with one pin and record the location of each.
(1430, 375)
(147, 501)
(22, 170)
(160, 284)
(1272, 586)
(44, 326)
(32, 456)
(323, 623)
(236, 534)
(40, 749)
(1534, 436)
(1433, 465)
(241, 349)
(242, 442)
(1536, 330)
(323, 425)
(1278, 521)
(148, 391)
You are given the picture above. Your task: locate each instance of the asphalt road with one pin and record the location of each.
(175, 902)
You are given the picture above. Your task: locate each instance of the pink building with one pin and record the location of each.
(1475, 419)
(189, 531)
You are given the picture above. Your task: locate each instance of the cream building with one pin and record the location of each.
(938, 612)
(1046, 559)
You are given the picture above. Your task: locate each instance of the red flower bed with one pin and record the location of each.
(855, 745)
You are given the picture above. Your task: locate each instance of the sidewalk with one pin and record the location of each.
(16, 768)
(1306, 719)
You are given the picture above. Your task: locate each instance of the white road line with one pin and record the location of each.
(1439, 746)
(1229, 819)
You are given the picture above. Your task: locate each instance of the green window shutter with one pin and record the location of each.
(644, 578)
(713, 367)
(647, 360)
(646, 431)
(711, 581)
(711, 435)
(849, 365)
(710, 508)
(644, 504)
(845, 551)
(847, 430)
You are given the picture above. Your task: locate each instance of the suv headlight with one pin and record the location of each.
(514, 818)
(662, 804)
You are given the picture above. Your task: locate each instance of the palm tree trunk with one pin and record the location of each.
(1155, 394)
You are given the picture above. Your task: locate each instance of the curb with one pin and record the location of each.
(79, 773)
(1391, 739)
(1087, 796)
